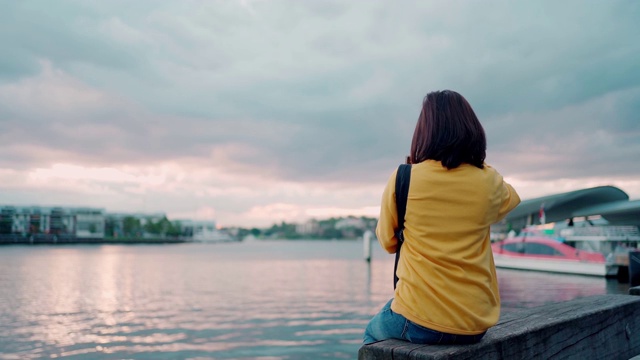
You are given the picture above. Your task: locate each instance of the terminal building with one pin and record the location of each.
(609, 202)
(602, 210)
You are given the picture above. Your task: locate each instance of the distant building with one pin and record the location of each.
(350, 223)
(81, 222)
(117, 226)
(310, 227)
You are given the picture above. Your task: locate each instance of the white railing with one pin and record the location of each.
(602, 233)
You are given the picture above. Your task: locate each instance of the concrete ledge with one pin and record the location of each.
(596, 327)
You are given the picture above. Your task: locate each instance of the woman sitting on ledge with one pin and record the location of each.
(447, 292)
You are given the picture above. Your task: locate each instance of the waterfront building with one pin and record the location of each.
(607, 202)
(309, 227)
(350, 222)
(130, 224)
(81, 222)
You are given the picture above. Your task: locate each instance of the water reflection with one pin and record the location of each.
(520, 289)
(275, 300)
(368, 287)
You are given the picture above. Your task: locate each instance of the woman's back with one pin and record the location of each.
(447, 281)
(447, 290)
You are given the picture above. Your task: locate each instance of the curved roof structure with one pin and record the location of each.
(609, 201)
(618, 212)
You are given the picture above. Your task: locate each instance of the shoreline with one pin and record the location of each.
(45, 239)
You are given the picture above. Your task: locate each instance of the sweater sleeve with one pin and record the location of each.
(388, 221)
(510, 200)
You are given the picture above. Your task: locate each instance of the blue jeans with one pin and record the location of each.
(389, 325)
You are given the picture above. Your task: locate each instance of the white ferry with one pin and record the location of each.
(205, 231)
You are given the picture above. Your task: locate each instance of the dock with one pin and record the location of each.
(595, 327)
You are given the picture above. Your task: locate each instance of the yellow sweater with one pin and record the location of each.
(447, 277)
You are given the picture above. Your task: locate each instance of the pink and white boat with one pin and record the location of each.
(540, 253)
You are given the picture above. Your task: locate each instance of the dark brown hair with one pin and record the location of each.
(448, 131)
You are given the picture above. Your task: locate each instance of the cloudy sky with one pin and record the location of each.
(254, 112)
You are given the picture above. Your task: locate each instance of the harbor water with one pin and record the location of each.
(250, 300)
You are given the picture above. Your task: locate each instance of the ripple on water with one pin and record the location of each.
(272, 300)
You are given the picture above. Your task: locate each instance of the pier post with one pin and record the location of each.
(634, 268)
(366, 244)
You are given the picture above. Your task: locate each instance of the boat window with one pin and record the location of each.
(514, 247)
(540, 249)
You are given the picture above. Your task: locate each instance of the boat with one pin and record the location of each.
(542, 253)
(208, 235)
(590, 231)
(204, 231)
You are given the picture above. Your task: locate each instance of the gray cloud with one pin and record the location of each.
(317, 91)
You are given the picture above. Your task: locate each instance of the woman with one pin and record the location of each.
(447, 292)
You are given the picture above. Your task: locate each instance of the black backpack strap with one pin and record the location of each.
(403, 178)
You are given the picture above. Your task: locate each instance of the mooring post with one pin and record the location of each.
(634, 268)
(366, 245)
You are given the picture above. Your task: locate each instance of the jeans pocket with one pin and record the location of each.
(418, 334)
(421, 335)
